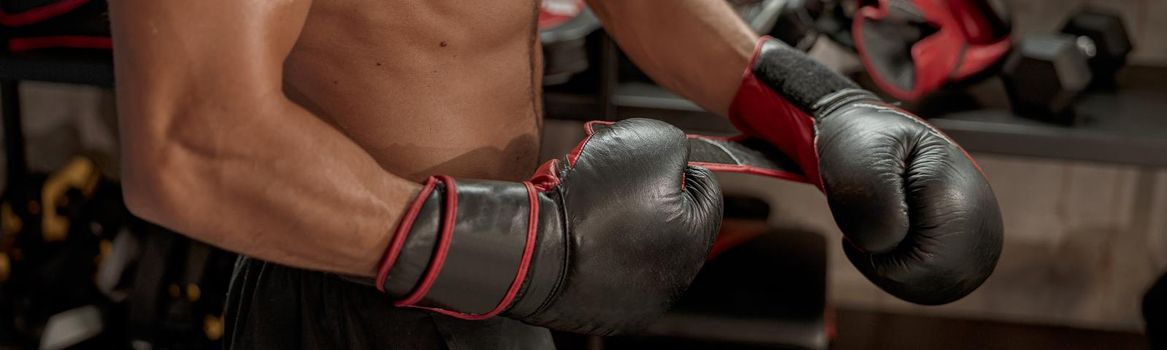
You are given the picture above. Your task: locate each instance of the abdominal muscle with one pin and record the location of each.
(447, 87)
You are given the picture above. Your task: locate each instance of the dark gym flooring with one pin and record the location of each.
(870, 330)
(878, 331)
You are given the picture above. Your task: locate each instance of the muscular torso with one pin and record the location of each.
(427, 87)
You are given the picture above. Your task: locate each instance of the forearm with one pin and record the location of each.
(696, 48)
(284, 187)
(212, 148)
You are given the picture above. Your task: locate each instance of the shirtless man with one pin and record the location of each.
(299, 133)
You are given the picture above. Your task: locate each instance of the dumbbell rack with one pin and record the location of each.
(95, 68)
(73, 67)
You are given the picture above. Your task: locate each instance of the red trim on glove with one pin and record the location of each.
(402, 231)
(589, 129)
(575, 152)
(742, 168)
(520, 274)
(447, 234)
(524, 264)
(760, 112)
(546, 177)
(749, 170)
(590, 126)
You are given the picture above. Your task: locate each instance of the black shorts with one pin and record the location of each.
(270, 306)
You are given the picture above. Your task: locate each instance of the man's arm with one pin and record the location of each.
(696, 48)
(213, 148)
(872, 160)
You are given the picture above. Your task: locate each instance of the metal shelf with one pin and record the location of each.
(1128, 127)
(86, 67)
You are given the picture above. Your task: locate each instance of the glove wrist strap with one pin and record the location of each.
(468, 246)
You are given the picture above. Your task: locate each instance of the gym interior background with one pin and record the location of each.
(1084, 203)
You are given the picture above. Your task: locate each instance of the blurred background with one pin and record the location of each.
(1062, 102)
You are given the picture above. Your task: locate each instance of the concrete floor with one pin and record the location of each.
(868, 330)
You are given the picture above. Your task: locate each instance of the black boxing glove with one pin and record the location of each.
(919, 218)
(603, 240)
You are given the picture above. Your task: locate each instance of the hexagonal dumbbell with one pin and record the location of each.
(1045, 74)
(1111, 42)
